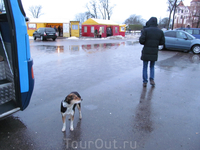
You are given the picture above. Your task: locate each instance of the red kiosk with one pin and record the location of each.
(103, 27)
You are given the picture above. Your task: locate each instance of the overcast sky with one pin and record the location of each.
(67, 9)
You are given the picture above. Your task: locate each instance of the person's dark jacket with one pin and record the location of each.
(151, 37)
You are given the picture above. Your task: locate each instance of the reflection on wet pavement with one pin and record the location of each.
(89, 48)
(143, 124)
(179, 61)
(51, 48)
(14, 133)
(131, 42)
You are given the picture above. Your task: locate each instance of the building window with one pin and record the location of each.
(32, 26)
(92, 29)
(74, 27)
(116, 30)
(85, 29)
(122, 29)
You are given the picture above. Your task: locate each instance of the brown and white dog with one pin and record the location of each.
(68, 108)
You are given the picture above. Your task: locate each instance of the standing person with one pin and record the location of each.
(59, 29)
(100, 32)
(55, 28)
(151, 38)
(95, 33)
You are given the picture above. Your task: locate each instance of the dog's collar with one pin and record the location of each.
(65, 104)
(69, 108)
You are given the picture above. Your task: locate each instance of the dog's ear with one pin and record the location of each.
(68, 99)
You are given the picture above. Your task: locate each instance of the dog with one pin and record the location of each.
(68, 108)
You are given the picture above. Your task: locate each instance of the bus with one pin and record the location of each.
(16, 64)
(193, 31)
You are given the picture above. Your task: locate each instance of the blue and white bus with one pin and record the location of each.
(193, 31)
(16, 65)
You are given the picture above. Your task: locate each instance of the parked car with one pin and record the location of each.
(181, 41)
(45, 33)
(193, 31)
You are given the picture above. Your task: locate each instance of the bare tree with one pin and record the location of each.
(106, 9)
(170, 9)
(92, 9)
(36, 11)
(81, 17)
(172, 6)
(195, 14)
(103, 7)
(134, 19)
(163, 23)
(175, 5)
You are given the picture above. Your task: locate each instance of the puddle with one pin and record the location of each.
(91, 48)
(51, 48)
(129, 43)
(90, 107)
(88, 48)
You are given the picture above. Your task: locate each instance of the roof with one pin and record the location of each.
(181, 4)
(93, 21)
(38, 20)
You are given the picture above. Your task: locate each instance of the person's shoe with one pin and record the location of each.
(144, 84)
(152, 82)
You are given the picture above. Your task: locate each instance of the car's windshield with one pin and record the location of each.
(191, 37)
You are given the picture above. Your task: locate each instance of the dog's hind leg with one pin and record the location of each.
(64, 122)
(79, 108)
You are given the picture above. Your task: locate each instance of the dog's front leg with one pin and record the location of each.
(64, 122)
(72, 122)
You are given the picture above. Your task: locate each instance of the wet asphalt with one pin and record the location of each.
(118, 112)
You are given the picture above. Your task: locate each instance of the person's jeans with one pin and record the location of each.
(145, 75)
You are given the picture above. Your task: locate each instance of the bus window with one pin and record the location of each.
(189, 31)
(16, 72)
(196, 31)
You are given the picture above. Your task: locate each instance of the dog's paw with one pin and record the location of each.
(80, 116)
(63, 129)
(71, 129)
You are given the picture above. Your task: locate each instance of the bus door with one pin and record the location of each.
(16, 73)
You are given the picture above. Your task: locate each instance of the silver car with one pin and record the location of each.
(181, 41)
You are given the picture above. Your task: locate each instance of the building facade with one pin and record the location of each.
(187, 16)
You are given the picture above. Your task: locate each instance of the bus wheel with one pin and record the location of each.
(42, 38)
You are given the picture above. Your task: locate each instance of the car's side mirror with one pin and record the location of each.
(186, 38)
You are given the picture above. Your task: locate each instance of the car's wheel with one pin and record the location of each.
(196, 49)
(54, 39)
(42, 38)
(34, 38)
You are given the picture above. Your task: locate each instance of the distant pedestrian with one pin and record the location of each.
(100, 32)
(55, 28)
(59, 30)
(151, 37)
(95, 33)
